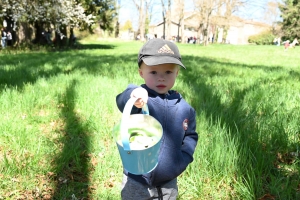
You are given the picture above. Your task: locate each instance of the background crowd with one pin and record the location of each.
(6, 38)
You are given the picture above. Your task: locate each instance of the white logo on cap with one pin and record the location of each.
(165, 49)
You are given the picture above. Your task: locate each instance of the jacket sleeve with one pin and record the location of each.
(123, 97)
(175, 160)
(190, 139)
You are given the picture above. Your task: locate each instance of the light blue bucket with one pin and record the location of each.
(138, 139)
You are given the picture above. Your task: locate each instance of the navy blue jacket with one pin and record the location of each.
(179, 138)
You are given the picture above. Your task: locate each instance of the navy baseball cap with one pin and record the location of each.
(159, 51)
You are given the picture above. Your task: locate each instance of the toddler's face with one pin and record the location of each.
(159, 78)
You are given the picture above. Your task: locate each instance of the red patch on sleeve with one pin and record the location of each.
(185, 124)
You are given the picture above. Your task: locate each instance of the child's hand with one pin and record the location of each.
(142, 96)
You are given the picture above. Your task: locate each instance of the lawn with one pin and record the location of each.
(57, 111)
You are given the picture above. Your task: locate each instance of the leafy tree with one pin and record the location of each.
(61, 14)
(42, 14)
(290, 10)
(106, 13)
(127, 26)
(264, 38)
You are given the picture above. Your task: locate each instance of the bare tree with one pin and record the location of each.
(140, 6)
(164, 18)
(230, 6)
(271, 16)
(215, 14)
(148, 15)
(204, 10)
(169, 20)
(179, 13)
(144, 8)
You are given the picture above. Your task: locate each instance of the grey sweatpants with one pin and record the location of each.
(133, 190)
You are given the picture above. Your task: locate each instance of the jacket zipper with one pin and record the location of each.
(166, 110)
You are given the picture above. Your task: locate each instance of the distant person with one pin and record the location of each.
(286, 45)
(278, 41)
(74, 39)
(275, 41)
(48, 36)
(294, 43)
(9, 38)
(149, 36)
(159, 63)
(3, 37)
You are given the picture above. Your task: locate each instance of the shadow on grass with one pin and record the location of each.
(262, 145)
(27, 68)
(95, 46)
(71, 167)
(55, 48)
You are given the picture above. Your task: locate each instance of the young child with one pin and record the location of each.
(286, 45)
(3, 38)
(159, 62)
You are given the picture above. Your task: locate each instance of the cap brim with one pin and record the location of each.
(154, 60)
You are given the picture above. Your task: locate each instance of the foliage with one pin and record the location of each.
(63, 15)
(291, 18)
(147, 23)
(264, 38)
(57, 12)
(127, 26)
(106, 14)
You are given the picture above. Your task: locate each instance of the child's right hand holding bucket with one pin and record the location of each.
(142, 96)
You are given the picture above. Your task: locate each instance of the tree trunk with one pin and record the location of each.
(206, 27)
(60, 38)
(64, 40)
(182, 32)
(217, 34)
(205, 38)
(164, 29)
(225, 32)
(72, 38)
(164, 18)
(38, 37)
(24, 34)
(169, 33)
(178, 33)
(200, 33)
(142, 21)
(117, 29)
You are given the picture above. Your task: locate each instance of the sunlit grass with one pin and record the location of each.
(57, 110)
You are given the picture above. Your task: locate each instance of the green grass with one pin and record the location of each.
(57, 111)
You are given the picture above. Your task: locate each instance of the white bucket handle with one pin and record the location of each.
(125, 118)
